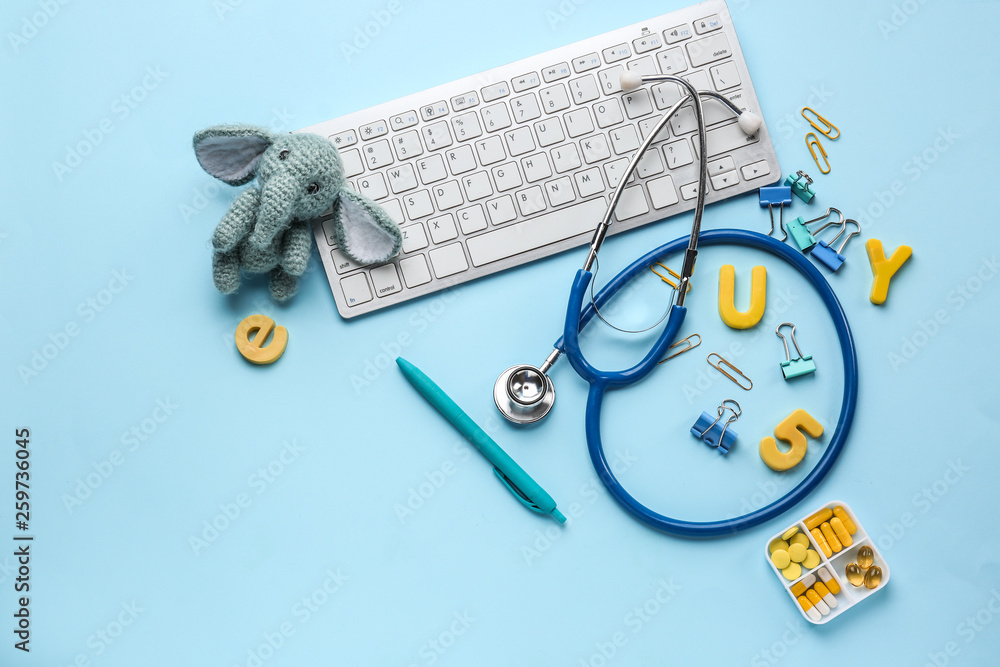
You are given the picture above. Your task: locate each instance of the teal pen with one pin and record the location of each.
(512, 475)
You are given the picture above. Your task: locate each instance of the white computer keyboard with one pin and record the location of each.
(517, 163)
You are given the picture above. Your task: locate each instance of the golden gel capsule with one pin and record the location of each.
(821, 541)
(841, 514)
(825, 593)
(807, 607)
(873, 577)
(829, 580)
(866, 557)
(841, 532)
(817, 601)
(817, 519)
(855, 574)
(831, 538)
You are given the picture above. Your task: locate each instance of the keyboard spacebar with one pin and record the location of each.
(537, 232)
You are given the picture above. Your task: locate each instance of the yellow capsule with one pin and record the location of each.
(811, 559)
(799, 589)
(831, 538)
(777, 544)
(807, 607)
(873, 577)
(829, 580)
(841, 514)
(841, 532)
(821, 541)
(797, 553)
(817, 519)
(855, 574)
(792, 572)
(799, 538)
(866, 557)
(824, 592)
(817, 601)
(781, 559)
(787, 535)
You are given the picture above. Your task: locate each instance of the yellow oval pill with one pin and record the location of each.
(811, 560)
(866, 557)
(797, 553)
(787, 535)
(873, 577)
(781, 559)
(800, 538)
(778, 544)
(792, 572)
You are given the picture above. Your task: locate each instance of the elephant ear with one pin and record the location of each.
(364, 231)
(231, 152)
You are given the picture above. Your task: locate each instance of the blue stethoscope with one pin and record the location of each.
(524, 394)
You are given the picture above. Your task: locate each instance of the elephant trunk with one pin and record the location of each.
(277, 201)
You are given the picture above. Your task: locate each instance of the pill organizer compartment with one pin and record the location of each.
(848, 595)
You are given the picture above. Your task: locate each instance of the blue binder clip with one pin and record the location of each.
(830, 258)
(780, 196)
(805, 239)
(793, 368)
(714, 434)
(801, 185)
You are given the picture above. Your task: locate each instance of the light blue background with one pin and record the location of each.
(470, 568)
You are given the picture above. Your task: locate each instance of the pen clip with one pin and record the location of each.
(517, 492)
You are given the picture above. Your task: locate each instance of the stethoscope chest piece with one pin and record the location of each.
(524, 394)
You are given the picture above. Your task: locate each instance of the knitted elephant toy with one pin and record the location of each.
(299, 176)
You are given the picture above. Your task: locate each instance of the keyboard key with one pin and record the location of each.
(554, 98)
(699, 80)
(394, 209)
(637, 103)
(500, 210)
(525, 108)
(643, 66)
(372, 130)
(709, 50)
(608, 112)
(464, 101)
(587, 62)
(414, 237)
(373, 186)
(689, 191)
(407, 144)
(624, 139)
(495, 117)
(519, 141)
(415, 271)
(631, 204)
(449, 260)
(495, 92)
(646, 126)
(530, 201)
(672, 61)
(431, 169)
(549, 132)
(355, 289)
(442, 228)
(677, 34)
(615, 53)
(755, 170)
(578, 122)
(477, 185)
(584, 89)
(418, 204)
(436, 135)
(403, 120)
(613, 171)
(678, 154)
(726, 138)
(507, 177)
(525, 82)
(725, 76)
(661, 192)
(666, 95)
(353, 165)
(466, 126)
(726, 180)
(560, 191)
(557, 225)
(472, 219)
(565, 157)
(536, 167)
(490, 150)
(386, 280)
(650, 164)
(589, 181)
(432, 111)
(344, 139)
(647, 43)
(555, 72)
(716, 167)
(461, 159)
(595, 148)
(342, 263)
(377, 154)
(708, 24)
(447, 195)
(611, 79)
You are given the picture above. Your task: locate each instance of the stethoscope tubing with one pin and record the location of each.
(578, 316)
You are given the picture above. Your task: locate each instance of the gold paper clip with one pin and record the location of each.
(690, 346)
(830, 130)
(812, 151)
(719, 367)
(668, 280)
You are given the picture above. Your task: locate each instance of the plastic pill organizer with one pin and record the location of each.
(811, 560)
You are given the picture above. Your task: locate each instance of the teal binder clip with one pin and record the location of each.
(780, 196)
(801, 186)
(793, 368)
(714, 434)
(830, 258)
(805, 239)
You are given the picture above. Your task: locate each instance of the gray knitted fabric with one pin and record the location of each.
(299, 176)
